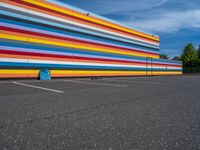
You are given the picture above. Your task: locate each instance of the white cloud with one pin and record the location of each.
(113, 6)
(169, 21)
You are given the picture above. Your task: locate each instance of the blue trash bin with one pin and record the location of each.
(45, 74)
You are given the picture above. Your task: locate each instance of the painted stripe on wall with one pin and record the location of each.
(44, 34)
(8, 73)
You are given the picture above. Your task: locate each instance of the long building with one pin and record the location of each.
(70, 42)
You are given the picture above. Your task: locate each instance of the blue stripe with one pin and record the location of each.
(81, 31)
(98, 16)
(75, 35)
(63, 66)
(62, 49)
(50, 48)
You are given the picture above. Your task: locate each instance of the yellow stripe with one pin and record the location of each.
(35, 40)
(110, 72)
(18, 71)
(83, 72)
(90, 19)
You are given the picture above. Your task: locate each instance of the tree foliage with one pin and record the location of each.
(198, 55)
(189, 56)
(198, 52)
(191, 59)
(164, 56)
(178, 58)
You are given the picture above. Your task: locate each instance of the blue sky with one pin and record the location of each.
(177, 22)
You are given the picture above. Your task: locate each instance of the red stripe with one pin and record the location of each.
(72, 40)
(75, 57)
(74, 17)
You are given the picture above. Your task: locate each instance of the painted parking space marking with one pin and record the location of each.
(38, 87)
(95, 83)
(3, 82)
(133, 81)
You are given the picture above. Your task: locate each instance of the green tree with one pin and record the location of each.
(178, 58)
(198, 55)
(164, 56)
(189, 56)
(198, 52)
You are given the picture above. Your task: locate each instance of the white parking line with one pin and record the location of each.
(133, 81)
(95, 83)
(139, 77)
(38, 87)
(5, 82)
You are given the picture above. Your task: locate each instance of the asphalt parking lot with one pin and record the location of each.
(123, 113)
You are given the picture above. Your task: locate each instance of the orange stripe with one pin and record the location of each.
(95, 18)
(79, 75)
(66, 59)
(77, 43)
(19, 75)
(75, 60)
(79, 21)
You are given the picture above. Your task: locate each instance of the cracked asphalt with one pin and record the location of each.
(122, 113)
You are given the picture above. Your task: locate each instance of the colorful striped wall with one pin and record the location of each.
(70, 42)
